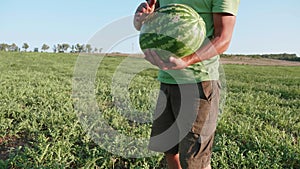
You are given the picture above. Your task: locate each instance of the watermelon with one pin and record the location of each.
(173, 30)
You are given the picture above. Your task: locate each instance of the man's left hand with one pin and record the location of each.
(177, 64)
(173, 64)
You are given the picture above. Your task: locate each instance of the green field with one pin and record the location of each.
(40, 128)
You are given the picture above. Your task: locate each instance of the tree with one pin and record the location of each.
(59, 48)
(96, 50)
(88, 48)
(13, 48)
(65, 47)
(79, 48)
(25, 46)
(45, 47)
(72, 49)
(54, 48)
(3, 47)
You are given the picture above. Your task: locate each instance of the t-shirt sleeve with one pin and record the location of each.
(225, 6)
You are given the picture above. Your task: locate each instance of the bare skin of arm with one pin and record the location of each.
(223, 24)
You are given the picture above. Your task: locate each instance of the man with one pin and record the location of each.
(178, 93)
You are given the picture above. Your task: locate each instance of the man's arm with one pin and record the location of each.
(223, 25)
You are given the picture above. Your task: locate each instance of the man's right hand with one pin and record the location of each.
(143, 10)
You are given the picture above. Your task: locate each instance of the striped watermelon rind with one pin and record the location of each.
(173, 30)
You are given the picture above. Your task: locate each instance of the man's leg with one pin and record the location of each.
(196, 147)
(164, 118)
(173, 161)
(208, 167)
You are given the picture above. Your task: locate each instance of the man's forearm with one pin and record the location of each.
(224, 24)
(215, 47)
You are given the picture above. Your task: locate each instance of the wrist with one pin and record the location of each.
(191, 59)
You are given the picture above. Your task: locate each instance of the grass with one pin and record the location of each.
(40, 128)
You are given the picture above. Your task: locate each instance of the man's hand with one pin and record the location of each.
(177, 63)
(143, 10)
(153, 58)
(173, 64)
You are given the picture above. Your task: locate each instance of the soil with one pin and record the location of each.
(258, 61)
(243, 60)
(9, 144)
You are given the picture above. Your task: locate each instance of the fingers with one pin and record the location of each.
(173, 64)
(152, 3)
(143, 10)
(148, 57)
(177, 63)
(154, 59)
(142, 7)
(157, 60)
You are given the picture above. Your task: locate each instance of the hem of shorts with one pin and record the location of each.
(186, 82)
(156, 149)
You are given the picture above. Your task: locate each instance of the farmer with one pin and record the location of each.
(191, 101)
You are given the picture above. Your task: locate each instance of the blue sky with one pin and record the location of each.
(265, 26)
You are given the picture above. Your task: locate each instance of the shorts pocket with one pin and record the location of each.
(209, 89)
(203, 114)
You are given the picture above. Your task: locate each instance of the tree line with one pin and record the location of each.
(57, 48)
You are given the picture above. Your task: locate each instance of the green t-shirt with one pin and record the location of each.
(207, 69)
